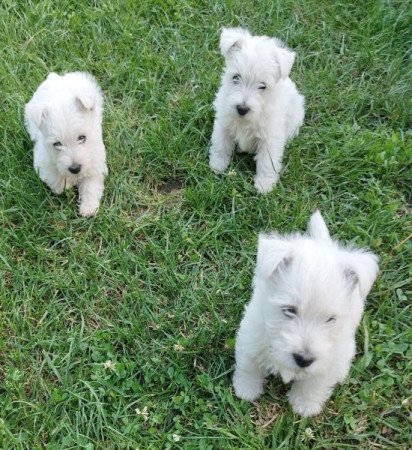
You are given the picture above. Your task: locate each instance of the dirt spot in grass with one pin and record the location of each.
(153, 203)
(169, 187)
(403, 211)
(387, 432)
(264, 414)
(138, 212)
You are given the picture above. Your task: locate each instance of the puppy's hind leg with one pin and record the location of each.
(90, 194)
(222, 148)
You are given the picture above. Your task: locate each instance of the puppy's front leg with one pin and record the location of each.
(307, 396)
(268, 164)
(55, 182)
(222, 148)
(90, 194)
(249, 378)
(57, 185)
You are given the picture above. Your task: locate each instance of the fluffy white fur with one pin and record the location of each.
(307, 302)
(258, 107)
(64, 119)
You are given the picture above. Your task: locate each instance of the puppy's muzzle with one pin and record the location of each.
(303, 360)
(242, 109)
(75, 168)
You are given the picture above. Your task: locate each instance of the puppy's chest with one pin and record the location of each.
(246, 139)
(71, 181)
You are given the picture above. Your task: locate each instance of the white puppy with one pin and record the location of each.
(307, 302)
(258, 107)
(64, 119)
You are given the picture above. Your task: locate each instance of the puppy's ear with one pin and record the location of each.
(362, 269)
(273, 252)
(232, 39)
(285, 59)
(317, 228)
(52, 76)
(36, 112)
(85, 102)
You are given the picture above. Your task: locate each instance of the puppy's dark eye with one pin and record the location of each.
(236, 79)
(331, 319)
(290, 311)
(262, 86)
(57, 144)
(81, 139)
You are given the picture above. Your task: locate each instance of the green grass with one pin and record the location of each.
(157, 281)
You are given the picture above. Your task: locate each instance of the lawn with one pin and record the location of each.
(118, 331)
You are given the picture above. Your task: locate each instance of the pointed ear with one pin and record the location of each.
(273, 251)
(52, 76)
(362, 269)
(232, 39)
(36, 112)
(85, 102)
(285, 59)
(317, 228)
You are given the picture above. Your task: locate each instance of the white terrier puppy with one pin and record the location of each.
(64, 119)
(307, 302)
(258, 107)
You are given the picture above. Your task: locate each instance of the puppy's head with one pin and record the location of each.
(254, 65)
(312, 293)
(70, 127)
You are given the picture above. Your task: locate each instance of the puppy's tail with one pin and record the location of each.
(317, 227)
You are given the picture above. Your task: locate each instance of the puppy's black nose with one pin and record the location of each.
(75, 168)
(303, 360)
(242, 110)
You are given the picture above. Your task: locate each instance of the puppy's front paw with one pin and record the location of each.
(264, 184)
(88, 209)
(218, 163)
(59, 190)
(57, 186)
(247, 387)
(304, 405)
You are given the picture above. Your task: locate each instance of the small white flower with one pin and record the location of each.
(176, 437)
(144, 413)
(109, 365)
(308, 435)
(231, 173)
(178, 347)
(405, 402)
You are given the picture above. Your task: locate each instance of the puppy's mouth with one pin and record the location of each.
(290, 370)
(288, 375)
